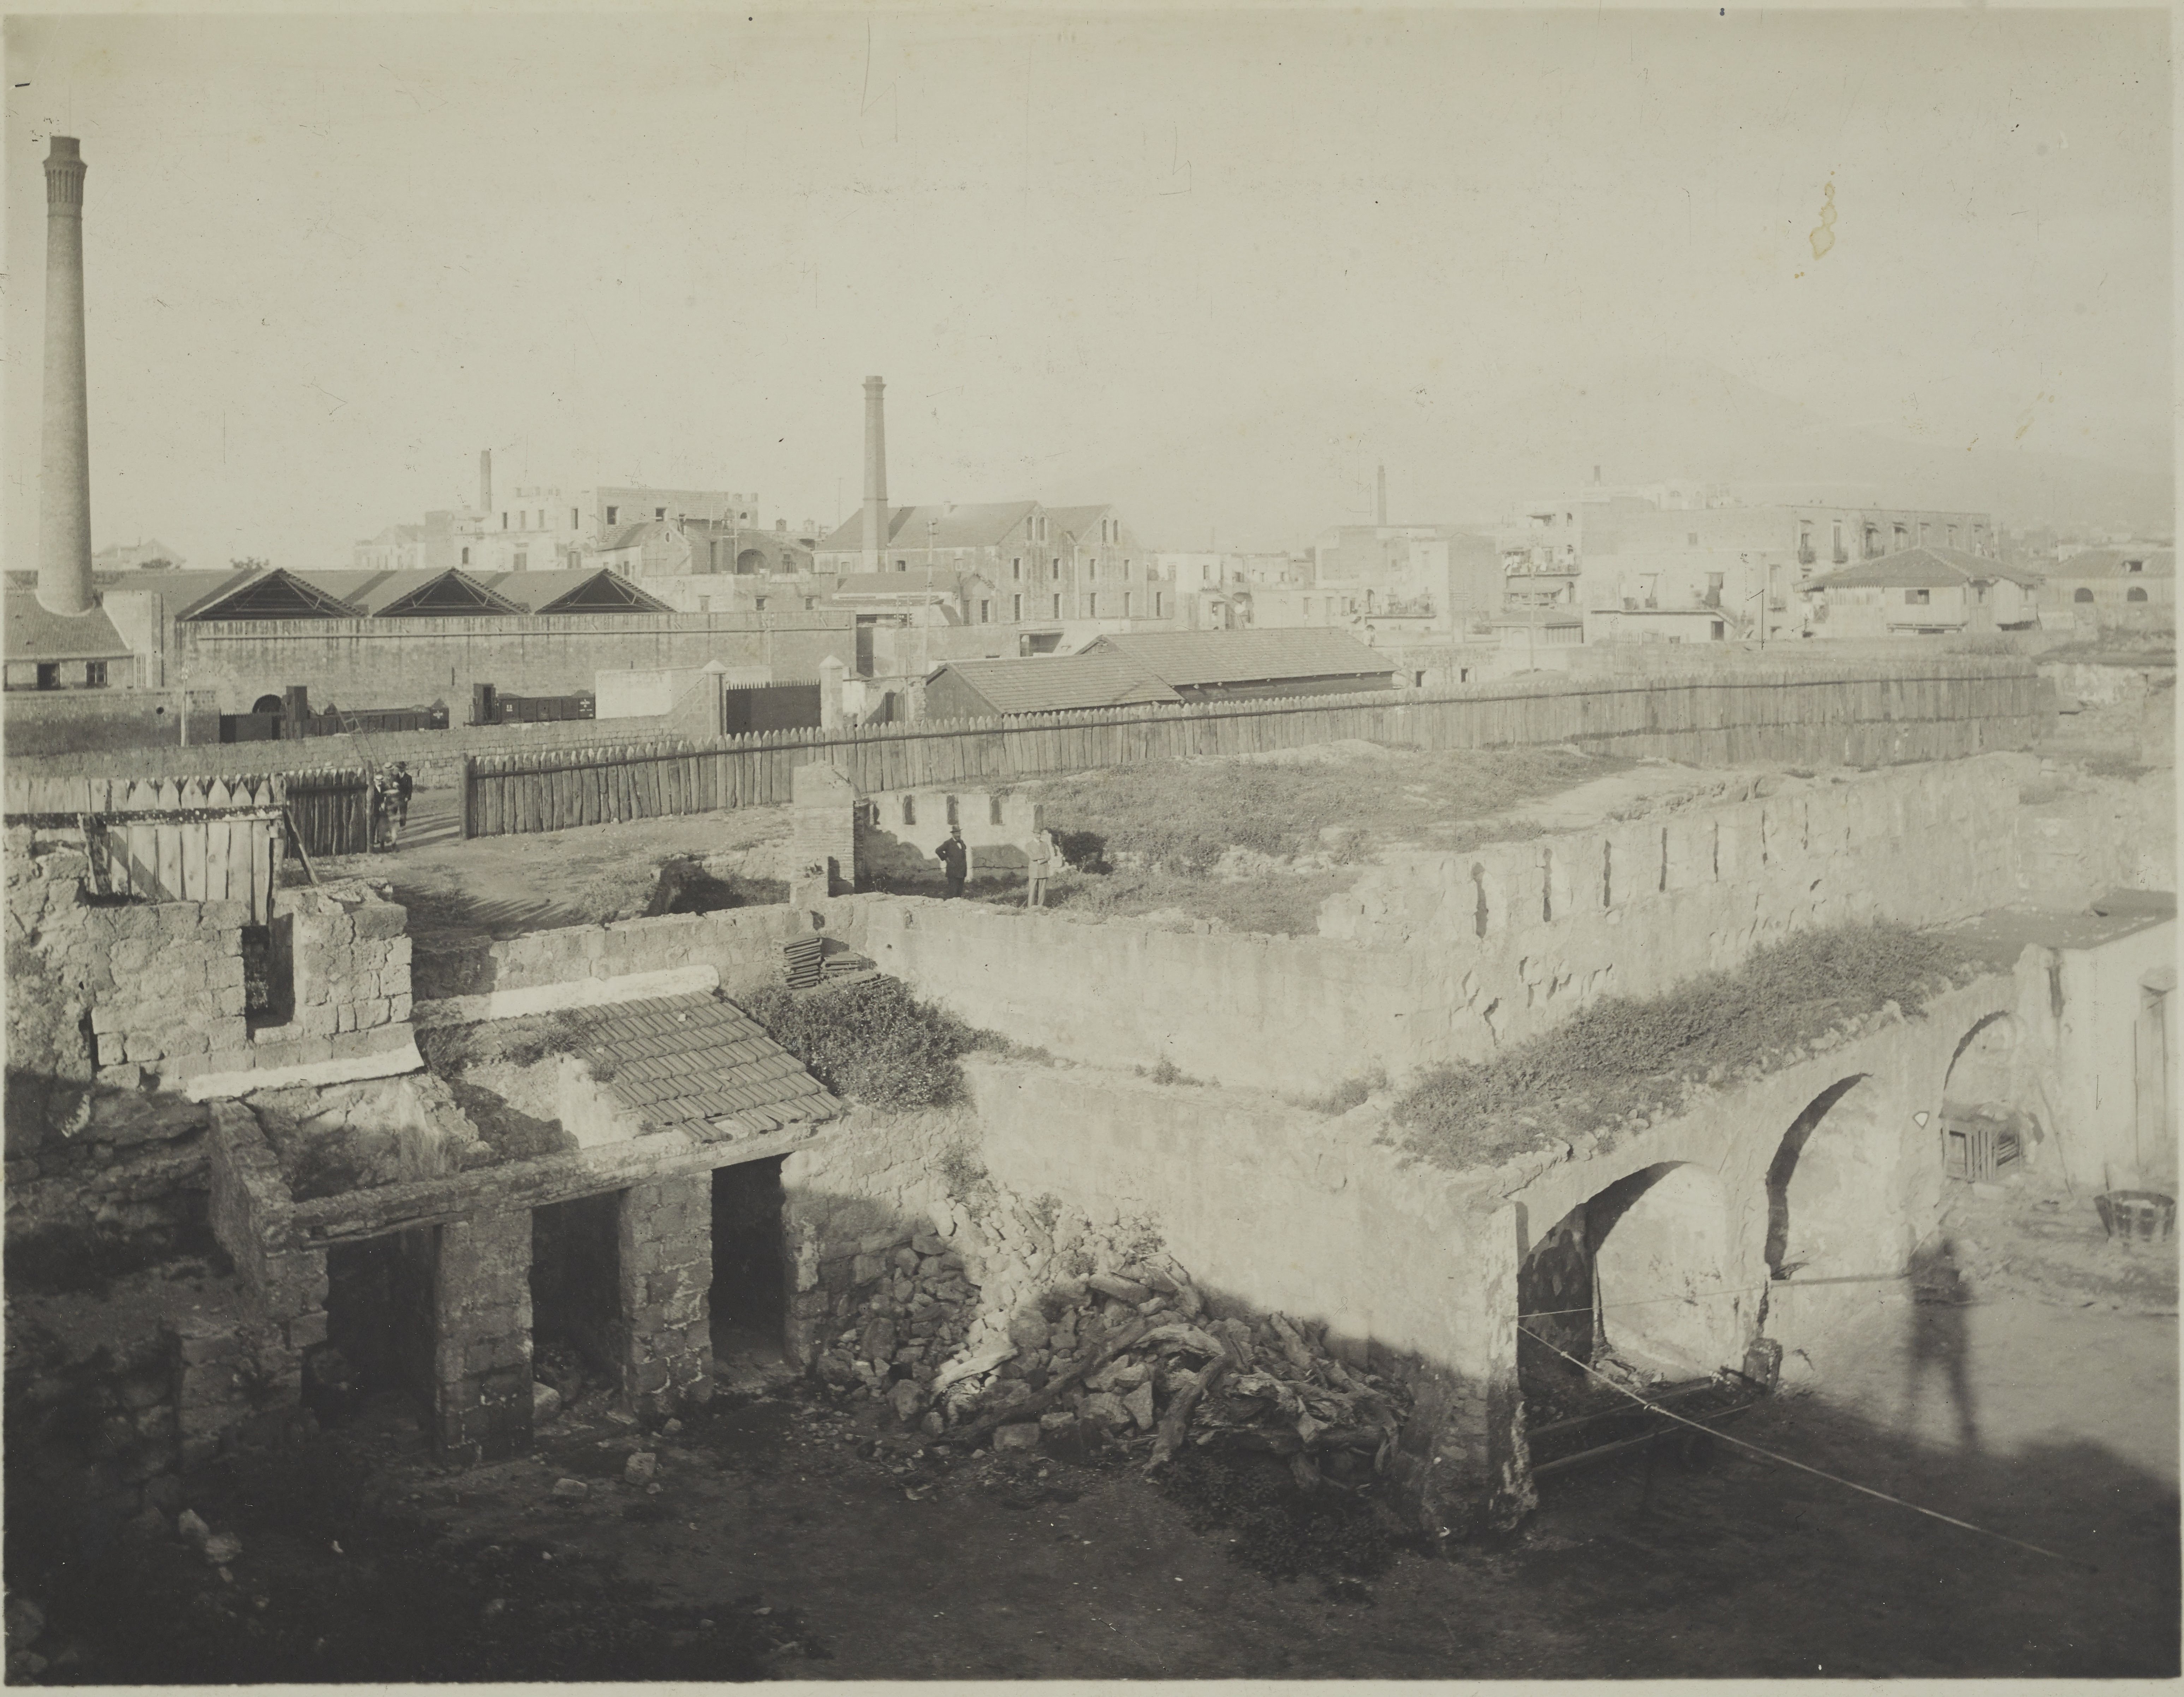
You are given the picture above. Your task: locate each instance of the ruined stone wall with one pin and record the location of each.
(666, 1235)
(481, 1335)
(151, 995)
(1426, 961)
(2085, 836)
(899, 831)
(474, 979)
(112, 987)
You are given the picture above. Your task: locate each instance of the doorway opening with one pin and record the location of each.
(749, 1304)
(577, 1333)
(379, 1333)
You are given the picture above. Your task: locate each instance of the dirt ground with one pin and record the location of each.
(787, 1534)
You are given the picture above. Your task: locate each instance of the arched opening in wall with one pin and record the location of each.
(1988, 1127)
(749, 562)
(1633, 1278)
(267, 704)
(750, 1303)
(1830, 1201)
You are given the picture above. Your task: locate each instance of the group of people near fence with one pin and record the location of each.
(389, 795)
(1039, 854)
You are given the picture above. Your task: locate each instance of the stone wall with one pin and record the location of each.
(666, 1234)
(899, 831)
(822, 838)
(2086, 836)
(68, 724)
(1429, 961)
(152, 995)
(481, 1336)
(128, 1175)
(358, 663)
(742, 945)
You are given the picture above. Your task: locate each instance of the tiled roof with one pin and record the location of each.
(1056, 683)
(35, 634)
(1075, 521)
(1924, 568)
(975, 526)
(697, 1064)
(939, 582)
(2109, 562)
(1183, 659)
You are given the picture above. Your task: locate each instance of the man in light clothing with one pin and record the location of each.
(1040, 857)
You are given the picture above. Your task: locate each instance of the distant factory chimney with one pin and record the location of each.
(1380, 500)
(64, 472)
(1595, 477)
(485, 480)
(876, 500)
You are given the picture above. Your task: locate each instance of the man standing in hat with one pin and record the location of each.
(955, 860)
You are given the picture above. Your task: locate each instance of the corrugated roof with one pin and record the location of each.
(35, 634)
(2109, 562)
(698, 1063)
(975, 526)
(1185, 658)
(1924, 568)
(1056, 683)
(597, 589)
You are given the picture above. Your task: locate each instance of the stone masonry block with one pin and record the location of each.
(227, 914)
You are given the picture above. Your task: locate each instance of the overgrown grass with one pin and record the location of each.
(1623, 1056)
(451, 1051)
(871, 1041)
(1182, 815)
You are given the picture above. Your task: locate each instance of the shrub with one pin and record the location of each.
(871, 1041)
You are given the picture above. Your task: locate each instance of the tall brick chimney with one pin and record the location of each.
(64, 472)
(485, 480)
(876, 500)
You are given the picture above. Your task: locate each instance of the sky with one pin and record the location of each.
(330, 259)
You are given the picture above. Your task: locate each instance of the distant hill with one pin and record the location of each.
(1305, 460)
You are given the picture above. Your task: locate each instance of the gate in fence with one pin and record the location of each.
(193, 840)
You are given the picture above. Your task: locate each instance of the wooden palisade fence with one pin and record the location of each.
(201, 839)
(1938, 707)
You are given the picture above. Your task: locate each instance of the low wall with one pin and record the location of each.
(1427, 963)
(742, 945)
(67, 724)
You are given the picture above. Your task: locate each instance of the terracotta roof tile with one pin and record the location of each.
(678, 1061)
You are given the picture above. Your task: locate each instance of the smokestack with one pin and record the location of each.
(1380, 503)
(65, 474)
(876, 500)
(1595, 476)
(485, 480)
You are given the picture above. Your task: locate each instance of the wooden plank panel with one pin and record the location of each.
(144, 861)
(218, 834)
(193, 833)
(169, 853)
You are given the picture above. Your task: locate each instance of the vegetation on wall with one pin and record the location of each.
(871, 1041)
(1622, 1059)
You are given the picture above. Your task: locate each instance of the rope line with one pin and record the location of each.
(1731, 1290)
(1817, 1472)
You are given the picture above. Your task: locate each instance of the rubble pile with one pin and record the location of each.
(916, 1313)
(1133, 1357)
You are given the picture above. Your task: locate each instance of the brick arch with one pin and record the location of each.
(1988, 1088)
(1641, 1267)
(1831, 1187)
